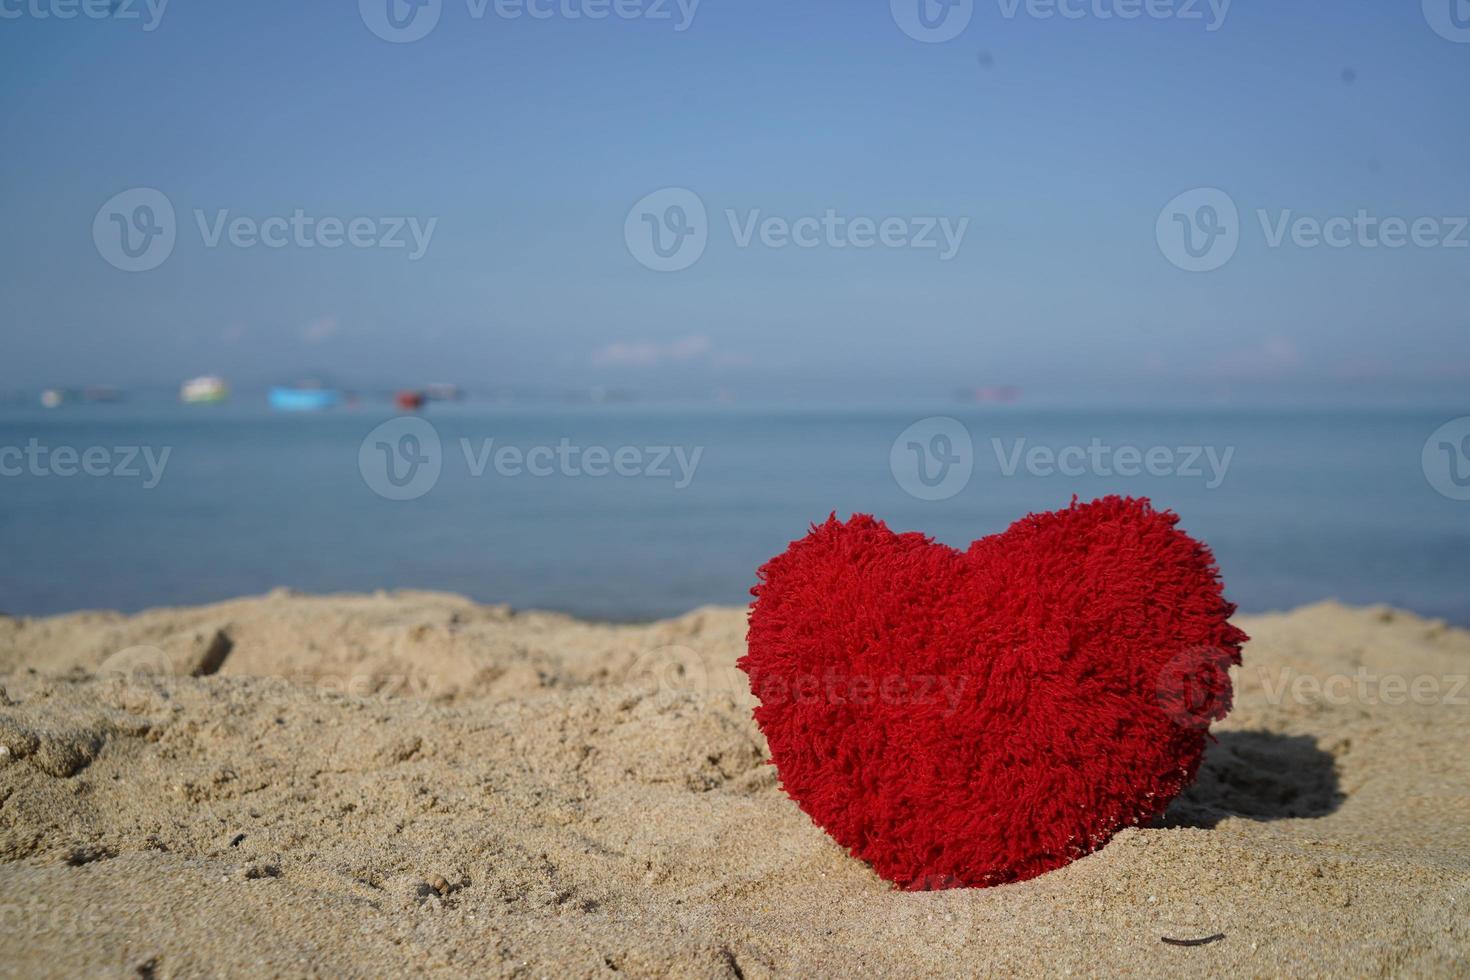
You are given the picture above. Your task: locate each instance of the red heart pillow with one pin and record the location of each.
(963, 718)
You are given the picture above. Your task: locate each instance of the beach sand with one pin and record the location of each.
(410, 782)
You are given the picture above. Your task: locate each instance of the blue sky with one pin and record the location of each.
(528, 140)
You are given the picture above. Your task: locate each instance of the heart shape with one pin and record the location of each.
(969, 718)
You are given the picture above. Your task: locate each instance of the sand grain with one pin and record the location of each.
(361, 785)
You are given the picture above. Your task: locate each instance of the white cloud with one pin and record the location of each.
(649, 353)
(319, 329)
(1276, 355)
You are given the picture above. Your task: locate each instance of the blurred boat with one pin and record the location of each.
(410, 401)
(443, 392)
(53, 397)
(204, 390)
(992, 395)
(302, 398)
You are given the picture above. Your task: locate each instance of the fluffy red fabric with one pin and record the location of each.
(979, 717)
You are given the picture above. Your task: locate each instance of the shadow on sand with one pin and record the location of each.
(1258, 776)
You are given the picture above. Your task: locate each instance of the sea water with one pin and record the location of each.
(635, 512)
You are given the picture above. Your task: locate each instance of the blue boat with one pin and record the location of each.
(285, 398)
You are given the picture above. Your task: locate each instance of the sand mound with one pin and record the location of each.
(362, 785)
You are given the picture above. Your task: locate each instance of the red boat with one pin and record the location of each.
(410, 400)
